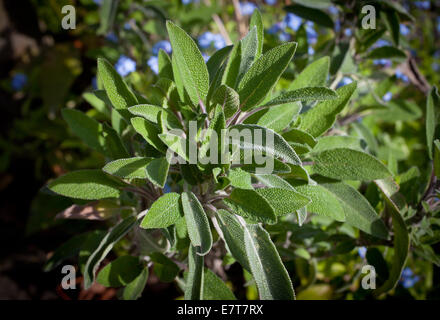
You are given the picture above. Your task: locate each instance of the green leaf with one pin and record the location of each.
(164, 212)
(68, 249)
(230, 74)
(249, 48)
(105, 246)
(96, 103)
(165, 65)
(228, 99)
(334, 142)
(217, 124)
(437, 158)
(401, 243)
(314, 75)
(149, 132)
(276, 118)
(151, 112)
(432, 104)
(134, 289)
(128, 168)
(164, 268)
(87, 129)
(120, 272)
(216, 61)
(157, 171)
(264, 74)
(233, 235)
(197, 222)
(273, 181)
(323, 201)
(320, 118)
(190, 63)
(312, 14)
(358, 211)
(283, 201)
(117, 90)
(348, 164)
(257, 21)
(87, 185)
(250, 204)
(393, 25)
(299, 136)
(386, 52)
(194, 286)
(176, 143)
(280, 147)
(303, 94)
(270, 275)
(214, 288)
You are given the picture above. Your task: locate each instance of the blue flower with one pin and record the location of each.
(124, 66)
(404, 30)
(401, 76)
(381, 43)
(284, 36)
(292, 21)
(97, 2)
(205, 57)
(164, 45)
(382, 62)
(94, 83)
(344, 81)
(167, 188)
(19, 81)
(348, 32)
(362, 251)
(438, 24)
(247, 8)
(387, 96)
(311, 51)
(153, 63)
(277, 27)
(435, 66)
(112, 37)
(422, 4)
(185, 2)
(208, 38)
(312, 36)
(408, 279)
(270, 2)
(333, 10)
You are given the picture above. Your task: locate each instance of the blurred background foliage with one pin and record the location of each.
(45, 68)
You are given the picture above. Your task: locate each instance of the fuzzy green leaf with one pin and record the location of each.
(348, 164)
(264, 74)
(120, 272)
(194, 282)
(149, 131)
(303, 94)
(164, 212)
(432, 107)
(157, 171)
(257, 21)
(250, 204)
(386, 52)
(270, 275)
(189, 61)
(276, 118)
(128, 168)
(197, 222)
(314, 75)
(283, 201)
(214, 288)
(87, 185)
(117, 90)
(320, 118)
(105, 246)
(228, 99)
(233, 235)
(151, 112)
(134, 289)
(280, 147)
(358, 211)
